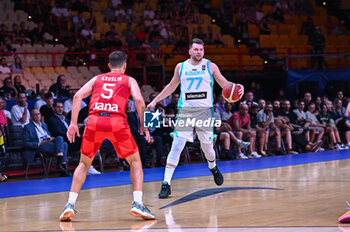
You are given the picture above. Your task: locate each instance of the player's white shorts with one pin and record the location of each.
(202, 120)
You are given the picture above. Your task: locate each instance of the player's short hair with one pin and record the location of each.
(196, 41)
(117, 59)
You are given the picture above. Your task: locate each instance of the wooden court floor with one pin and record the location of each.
(307, 197)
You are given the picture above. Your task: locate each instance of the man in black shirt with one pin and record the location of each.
(59, 88)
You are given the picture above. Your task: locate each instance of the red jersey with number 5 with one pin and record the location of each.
(110, 94)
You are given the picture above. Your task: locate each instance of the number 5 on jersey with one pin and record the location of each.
(107, 88)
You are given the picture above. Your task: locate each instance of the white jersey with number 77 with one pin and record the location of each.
(196, 89)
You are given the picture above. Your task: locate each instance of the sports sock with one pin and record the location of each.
(138, 197)
(72, 198)
(169, 171)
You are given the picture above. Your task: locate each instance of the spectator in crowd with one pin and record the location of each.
(315, 126)
(3, 66)
(7, 91)
(225, 115)
(307, 98)
(283, 124)
(338, 107)
(3, 118)
(249, 96)
(240, 123)
(70, 59)
(174, 100)
(167, 34)
(325, 118)
(3, 109)
(200, 34)
(37, 34)
(128, 33)
(47, 110)
(38, 138)
(41, 101)
(301, 119)
(18, 84)
(261, 104)
(67, 106)
(58, 126)
(19, 113)
(318, 102)
(59, 88)
(113, 37)
(317, 42)
(266, 120)
(18, 66)
(220, 104)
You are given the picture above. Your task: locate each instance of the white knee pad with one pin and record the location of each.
(175, 151)
(208, 151)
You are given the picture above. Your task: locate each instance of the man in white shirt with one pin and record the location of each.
(19, 113)
(39, 103)
(67, 106)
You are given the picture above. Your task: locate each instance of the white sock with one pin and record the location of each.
(212, 164)
(72, 197)
(169, 171)
(138, 197)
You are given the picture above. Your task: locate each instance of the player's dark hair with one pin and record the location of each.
(196, 41)
(117, 59)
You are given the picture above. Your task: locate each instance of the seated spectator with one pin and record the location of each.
(71, 59)
(261, 132)
(7, 91)
(315, 127)
(18, 66)
(16, 36)
(301, 118)
(3, 117)
(18, 84)
(325, 118)
(47, 110)
(41, 101)
(174, 100)
(3, 108)
(19, 113)
(249, 96)
(3, 66)
(284, 126)
(37, 34)
(67, 106)
(38, 138)
(200, 34)
(59, 89)
(307, 98)
(261, 104)
(225, 115)
(266, 120)
(240, 123)
(113, 37)
(220, 104)
(58, 126)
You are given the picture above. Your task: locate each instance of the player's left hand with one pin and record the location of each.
(72, 131)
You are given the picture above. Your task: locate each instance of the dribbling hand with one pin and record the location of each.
(72, 131)
(241, 90)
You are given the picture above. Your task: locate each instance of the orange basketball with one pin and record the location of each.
(230, 92)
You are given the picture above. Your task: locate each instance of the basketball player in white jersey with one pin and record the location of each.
(196, 76)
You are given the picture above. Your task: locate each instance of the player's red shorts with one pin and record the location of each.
(114, 128)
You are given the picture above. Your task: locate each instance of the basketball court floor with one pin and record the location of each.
(305, 192)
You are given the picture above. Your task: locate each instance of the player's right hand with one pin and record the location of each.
(151, 105)
(73, 130)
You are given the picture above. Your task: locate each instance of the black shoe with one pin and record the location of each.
(218, 178)
(165, 191)
(64, 170)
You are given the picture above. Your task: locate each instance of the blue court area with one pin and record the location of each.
(42, 186)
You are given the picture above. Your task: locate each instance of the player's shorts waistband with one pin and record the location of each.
(106, 114)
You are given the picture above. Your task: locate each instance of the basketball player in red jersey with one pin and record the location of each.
(107, 119)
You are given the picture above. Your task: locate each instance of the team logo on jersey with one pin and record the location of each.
(203, 67)
(196, 96)
(151, 119)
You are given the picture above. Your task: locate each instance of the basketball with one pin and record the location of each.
(231, 92)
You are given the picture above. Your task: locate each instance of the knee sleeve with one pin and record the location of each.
(175, 151)
(208, 151)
